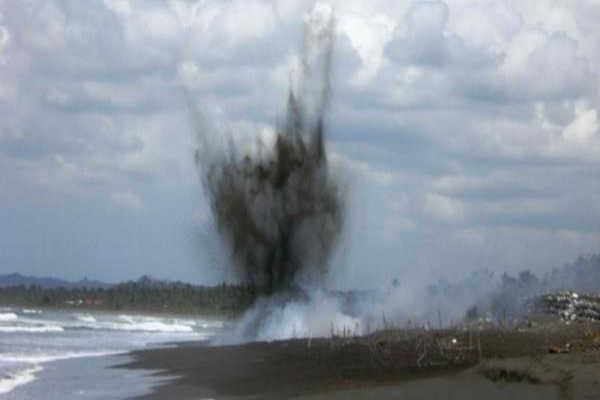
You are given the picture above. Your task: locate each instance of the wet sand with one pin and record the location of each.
(514, 365)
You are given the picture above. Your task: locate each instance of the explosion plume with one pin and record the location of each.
(280, 213)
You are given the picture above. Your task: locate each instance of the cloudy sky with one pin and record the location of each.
(466, 133)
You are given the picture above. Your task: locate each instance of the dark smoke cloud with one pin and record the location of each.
(279, 211)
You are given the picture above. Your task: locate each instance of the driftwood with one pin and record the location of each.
(415, 347)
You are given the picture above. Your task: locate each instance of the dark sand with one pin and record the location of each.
(514, 365)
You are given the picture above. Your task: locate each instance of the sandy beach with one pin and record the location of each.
(515, 365)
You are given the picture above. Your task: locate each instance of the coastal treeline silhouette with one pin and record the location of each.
(144, 294)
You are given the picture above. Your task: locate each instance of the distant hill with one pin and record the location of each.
(48, 282)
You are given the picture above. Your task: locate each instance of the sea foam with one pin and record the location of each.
(28, 340)
(86, 318)
(5, 317)
(10, 381)
(31, 311)
(32, 329)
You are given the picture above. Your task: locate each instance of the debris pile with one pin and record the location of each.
(570, 306)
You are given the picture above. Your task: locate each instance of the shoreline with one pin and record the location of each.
(86, 377)
(211, 315)
(323, 369)
(48, 352)
(279, 369)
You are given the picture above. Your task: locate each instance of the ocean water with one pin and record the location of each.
(44, 352)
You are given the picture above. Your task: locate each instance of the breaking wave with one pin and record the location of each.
(8, 317)
(44, 358)
(148, 324)
(86, 318)
(10, 381)
(28, 340)
(31, 329)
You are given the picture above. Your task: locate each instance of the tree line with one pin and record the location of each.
(143, 295)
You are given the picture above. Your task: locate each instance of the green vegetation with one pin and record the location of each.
(143, 295)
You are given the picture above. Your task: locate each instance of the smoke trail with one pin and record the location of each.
(280, 213)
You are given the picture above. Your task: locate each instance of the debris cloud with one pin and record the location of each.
(280, 212)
